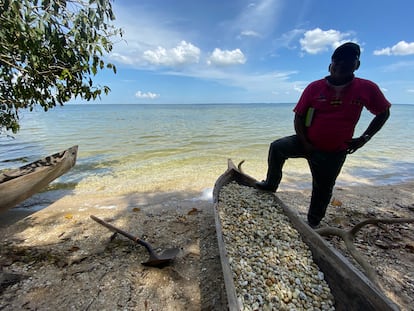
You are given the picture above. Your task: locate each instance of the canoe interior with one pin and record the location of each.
(17, 185)
(350, 287)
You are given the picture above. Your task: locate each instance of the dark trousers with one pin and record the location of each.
(325, 168)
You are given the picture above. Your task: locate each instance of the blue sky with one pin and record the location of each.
(236, 51)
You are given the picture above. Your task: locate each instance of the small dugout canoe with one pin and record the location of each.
(16, 185)
(351, 289)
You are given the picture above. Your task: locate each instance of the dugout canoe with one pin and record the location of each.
(351, 289)
(16, 185)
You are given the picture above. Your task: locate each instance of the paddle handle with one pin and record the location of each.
(120, 231)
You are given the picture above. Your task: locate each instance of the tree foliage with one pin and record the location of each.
(49, 52)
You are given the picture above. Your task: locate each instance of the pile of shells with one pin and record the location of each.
(272, 267)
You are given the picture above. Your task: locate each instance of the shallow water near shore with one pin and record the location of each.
(126, 149)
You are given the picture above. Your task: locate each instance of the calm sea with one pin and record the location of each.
(140, 148)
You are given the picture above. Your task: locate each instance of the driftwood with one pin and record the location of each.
(348, 237)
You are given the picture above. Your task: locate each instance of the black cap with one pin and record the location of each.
(348, 51)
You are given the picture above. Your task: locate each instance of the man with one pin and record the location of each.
(325, 119)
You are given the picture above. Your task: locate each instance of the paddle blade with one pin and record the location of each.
(163, 259)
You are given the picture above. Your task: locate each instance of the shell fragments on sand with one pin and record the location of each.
(272, 267)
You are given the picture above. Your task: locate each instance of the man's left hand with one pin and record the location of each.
(354, 144)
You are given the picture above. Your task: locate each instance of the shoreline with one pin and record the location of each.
(62, 198)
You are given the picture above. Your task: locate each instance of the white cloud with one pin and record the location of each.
(298, 88)
(259, 85)
(401, 48)
(289, 39)
(399, 67)
(249, 33)
(317, 40)
(142, 31)
(226, 58)
(258, 18)
(184, 53)
(122, 58)
(146, 95)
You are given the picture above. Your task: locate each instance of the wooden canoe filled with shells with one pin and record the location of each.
(272, 260)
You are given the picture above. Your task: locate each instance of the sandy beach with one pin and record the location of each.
(59, 258)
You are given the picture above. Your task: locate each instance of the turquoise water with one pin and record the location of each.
(139, 148)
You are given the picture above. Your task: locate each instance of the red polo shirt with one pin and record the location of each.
(337, 110)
